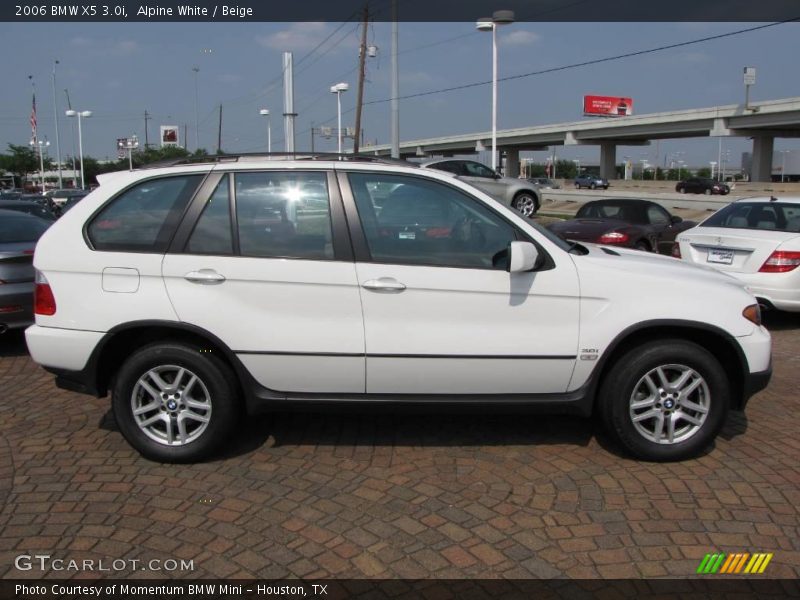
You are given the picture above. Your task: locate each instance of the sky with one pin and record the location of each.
(119, 70)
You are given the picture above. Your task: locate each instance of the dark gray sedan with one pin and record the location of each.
(19, 233)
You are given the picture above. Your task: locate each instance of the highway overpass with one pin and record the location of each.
(761, 121)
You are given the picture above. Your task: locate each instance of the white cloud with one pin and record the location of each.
(520, 37)
(299, 36)
(126, 47)
(80, 41)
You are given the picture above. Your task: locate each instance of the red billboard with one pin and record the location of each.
(607, 106)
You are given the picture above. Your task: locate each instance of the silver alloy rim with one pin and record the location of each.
(171, 405)
(526, 205)
(670, 404)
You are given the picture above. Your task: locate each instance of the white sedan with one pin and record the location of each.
(756, 240)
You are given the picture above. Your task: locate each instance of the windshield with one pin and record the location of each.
(776, 216)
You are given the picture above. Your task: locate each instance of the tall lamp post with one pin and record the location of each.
(264, 112)
(41, 144)
(196, 70)
(338, 89)
(81, 114)
(500, 17)
(55, 116)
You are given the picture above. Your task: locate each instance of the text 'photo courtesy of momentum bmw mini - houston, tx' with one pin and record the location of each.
(362, 280)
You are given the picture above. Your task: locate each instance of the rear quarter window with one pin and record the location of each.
(143, 218)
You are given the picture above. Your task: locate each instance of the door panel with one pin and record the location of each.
(451, 320)
(294, 319)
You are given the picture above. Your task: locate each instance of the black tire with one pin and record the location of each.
(216, 379)
(592, 186)
(626, 375)
(707, 192)
(526, 204)
(681, 190)
(642, 245)
(577, 186)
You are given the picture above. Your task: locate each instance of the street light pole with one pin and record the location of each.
(55, 116)
(40, 144)
(81, 114)
(196, 109)
(500, 17)
(338, 89)
(264, 112)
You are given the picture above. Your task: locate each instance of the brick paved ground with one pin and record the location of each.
(396, 496)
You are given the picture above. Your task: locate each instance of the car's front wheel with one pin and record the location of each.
(665, 400)
(577, 185)
(526, 203)
(592, 186)
(681, 190)
(174, 403)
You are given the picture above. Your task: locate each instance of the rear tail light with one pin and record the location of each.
(614, 237)
(753, 314)
(676, 250)
(781, 261)
(44, 303)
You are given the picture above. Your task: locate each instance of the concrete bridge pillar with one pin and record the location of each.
(608, 160)
(761, 167)
(512, 162)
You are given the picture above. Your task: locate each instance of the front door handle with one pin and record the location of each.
(384, 284)
(204, 276)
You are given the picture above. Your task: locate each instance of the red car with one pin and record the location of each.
(631, 223)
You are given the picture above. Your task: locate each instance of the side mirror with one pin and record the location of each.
(523, 256)
(676, 219)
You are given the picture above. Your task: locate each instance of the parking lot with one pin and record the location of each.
(385, 496)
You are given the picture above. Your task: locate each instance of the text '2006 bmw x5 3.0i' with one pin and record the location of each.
(199, 291)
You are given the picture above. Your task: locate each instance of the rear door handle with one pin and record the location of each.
(204, 276)
(384, 284)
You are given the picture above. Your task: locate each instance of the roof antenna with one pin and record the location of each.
(773, 199)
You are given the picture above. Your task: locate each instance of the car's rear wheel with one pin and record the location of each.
(665, 400)
(592, 186)
(577, 186)
(681, 190)
(174, 403)
(643, 246)
(707, 192)
(526, 203)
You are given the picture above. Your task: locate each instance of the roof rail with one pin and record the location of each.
(236, 157)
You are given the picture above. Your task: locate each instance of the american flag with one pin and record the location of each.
(33, 117)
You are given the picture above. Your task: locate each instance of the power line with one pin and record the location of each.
(588, 62)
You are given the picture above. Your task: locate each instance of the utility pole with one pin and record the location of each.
(219, 132)
(147, 117)
(362, 58)
(395, 86)
(185, 139)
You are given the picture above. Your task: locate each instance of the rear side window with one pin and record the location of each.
(284, 214)
(143, 218)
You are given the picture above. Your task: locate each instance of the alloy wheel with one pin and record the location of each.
(669, 404)
(171, 405)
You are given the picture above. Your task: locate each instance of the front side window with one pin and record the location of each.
(474, 169)
(284, 214)
(428, 223)
(143, 218)
(657, 215)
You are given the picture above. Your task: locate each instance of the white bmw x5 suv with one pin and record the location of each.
(196, 292)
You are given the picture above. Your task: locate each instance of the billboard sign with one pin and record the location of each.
(607, 106)
(169, 135)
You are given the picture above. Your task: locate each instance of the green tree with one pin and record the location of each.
(21, 161)
(704, 172)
